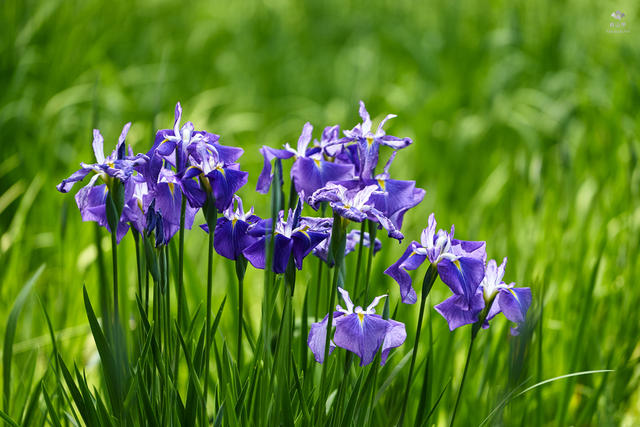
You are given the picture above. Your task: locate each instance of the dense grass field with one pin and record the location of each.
(525, 123)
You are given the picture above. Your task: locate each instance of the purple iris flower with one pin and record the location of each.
(502, 298)
(460, 263)
(134, 211)
(165, 192)
(393, 197)
(356, 205)
(353, 239)
(230, 235)
(297, 236)
(92, 203)
(91, 199)
(116, 165)
(169, 142)
(368, 143)
(215, 166)
(360, 331)
(310, 171)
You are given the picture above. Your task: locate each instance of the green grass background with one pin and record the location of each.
(525, 121)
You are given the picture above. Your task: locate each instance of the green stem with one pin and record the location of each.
(114, 252)
(373, 228)
(181, 261)
(427, 283)
(241, 266)
(337, 246)
(136, 238)
(359, 262)
(207, 346)
(474, 332)
(323, 208)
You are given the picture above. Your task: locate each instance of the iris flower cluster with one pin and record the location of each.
(477, 287)
(187, 170)
(182, 162)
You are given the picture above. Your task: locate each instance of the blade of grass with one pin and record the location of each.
(10, 333)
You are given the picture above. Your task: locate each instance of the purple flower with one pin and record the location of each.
(368, 143)
(360, 331)
(165, 192)
(230, 235)
(116, 165)
(92, 203)
(216, 167)
(393, 197)
(356, 205)
(297, 236)
(460, 263)
(92, 198)
(169, 142)
(310, 171)
(134, 211)
(502, 298)
(353, 239)
(458, 311)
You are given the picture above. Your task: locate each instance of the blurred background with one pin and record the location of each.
(524, 117)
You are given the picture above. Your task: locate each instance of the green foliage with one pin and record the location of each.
(526, 135)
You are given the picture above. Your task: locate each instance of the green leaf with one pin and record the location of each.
(112, 375)
(52, 412)
(33, 402)
(8, 419)
(10, 333)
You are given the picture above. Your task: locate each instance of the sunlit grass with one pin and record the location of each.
(526, 136)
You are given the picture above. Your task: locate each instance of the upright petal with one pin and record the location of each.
(305, 138)
(366, 119)
(120, 146)
(98, 146)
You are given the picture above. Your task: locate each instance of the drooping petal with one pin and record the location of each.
(318, 337)
(281, 253)
(462, 276)
(303, 244)
(225, 183)
(457, 312)
(395, 337)
(256, 254)
(395, 142)
(385, 222)
(514, 303)
(231, 238)
(223, 240)
(264, 180)
(410, 260)
(66, 184)
(361, 334)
